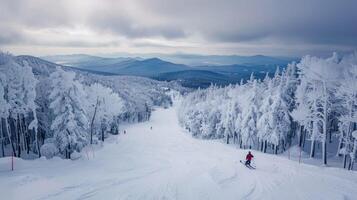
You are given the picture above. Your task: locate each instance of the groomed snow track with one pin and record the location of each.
(167, 163)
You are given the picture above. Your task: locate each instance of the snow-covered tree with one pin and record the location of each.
(103, 105)
(19, 85)
(250, 114)
(70, 125)
(320, 78)
(347, 94)
(265, 123)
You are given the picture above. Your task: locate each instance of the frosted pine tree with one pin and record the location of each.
(250, 115)
(70, 124)
(265, 123)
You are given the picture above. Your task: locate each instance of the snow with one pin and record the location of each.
(167, 163)
(354, 134)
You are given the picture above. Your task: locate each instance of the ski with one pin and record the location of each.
(248, 166)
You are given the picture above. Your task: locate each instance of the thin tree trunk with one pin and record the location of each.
(325, 127)
(312, 150)
(265, 147)
(17, 132)
(68, 149)
(27, 135)
(2, 139)
(283, 145)
(92, 122)
(37, 142)
(21, 133)
(324, 156)
(344, 160)
(303, 139)
(300, 136)
(340, 145)
(350, 164)
(353, 155)
(9, 136)
(103, 135)
(234, 138)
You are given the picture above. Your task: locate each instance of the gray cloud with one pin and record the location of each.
(8, 35)
(280, 24)
(125, 26)
(317, 21)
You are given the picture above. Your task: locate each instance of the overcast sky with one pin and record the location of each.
(244, 27)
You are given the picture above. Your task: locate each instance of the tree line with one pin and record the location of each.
(55, 114)
(312, 101)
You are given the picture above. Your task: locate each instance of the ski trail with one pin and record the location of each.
(167, 163)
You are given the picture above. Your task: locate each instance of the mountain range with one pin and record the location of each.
(188, 75)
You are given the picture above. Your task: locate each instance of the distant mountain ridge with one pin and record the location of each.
(195, 76)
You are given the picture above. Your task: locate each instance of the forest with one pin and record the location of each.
(51, 110)
(312, 103)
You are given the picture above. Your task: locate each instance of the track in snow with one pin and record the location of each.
(166, 163)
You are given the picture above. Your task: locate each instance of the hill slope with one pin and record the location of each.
(195, 78)
(166, 163)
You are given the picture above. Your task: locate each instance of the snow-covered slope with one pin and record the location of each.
(166, 163)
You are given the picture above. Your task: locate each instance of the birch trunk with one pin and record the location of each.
(312, 151)
(9, 136)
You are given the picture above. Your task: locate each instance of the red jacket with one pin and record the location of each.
(249, 156)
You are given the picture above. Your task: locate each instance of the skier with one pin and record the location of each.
(248, 158)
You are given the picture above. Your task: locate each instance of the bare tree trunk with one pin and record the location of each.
(18, 139)
(103, 135)
(324, 156)
(9, 136)
(353, 155)
(27, 135)
(69, 151)
(301, 136)
(325, 126)
(344, 160)
(340, 145)
(37, 142)
(21, 133)
(92, 122)
(283, 145)
(2, 139)
(234, 138)
(312, 150)
(304, 139)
